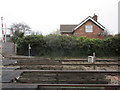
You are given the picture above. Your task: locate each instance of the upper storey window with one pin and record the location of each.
(88, 28)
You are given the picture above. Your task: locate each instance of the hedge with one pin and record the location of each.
(68, 46)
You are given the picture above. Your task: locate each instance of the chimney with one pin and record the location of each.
(95, 17)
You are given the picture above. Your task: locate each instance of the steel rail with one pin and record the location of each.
(109, 60)
(69, 71)
(66, 64)
(93, 64)
(66, 85)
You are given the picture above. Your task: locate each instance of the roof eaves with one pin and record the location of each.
(65, 31)
(98, 24)
(81, 23)
(89, 17)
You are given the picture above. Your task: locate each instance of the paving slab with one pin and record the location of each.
(7, 62)
(9, 68)
(18, 87)
(8, 75)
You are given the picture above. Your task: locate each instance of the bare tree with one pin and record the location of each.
(19, 27)
(36, 33)
(18, 30)
(106, 34)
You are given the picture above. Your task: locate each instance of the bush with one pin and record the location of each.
(68, 46)
(36, 42)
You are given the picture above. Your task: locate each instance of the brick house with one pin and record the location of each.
(89, 27)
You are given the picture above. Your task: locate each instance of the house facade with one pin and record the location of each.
(89, 27)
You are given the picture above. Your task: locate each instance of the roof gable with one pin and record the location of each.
(89, 18)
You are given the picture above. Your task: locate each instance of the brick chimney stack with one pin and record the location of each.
(95, 17)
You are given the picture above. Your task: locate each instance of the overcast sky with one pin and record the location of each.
(47, 15)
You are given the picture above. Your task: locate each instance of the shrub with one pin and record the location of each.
(68, 46)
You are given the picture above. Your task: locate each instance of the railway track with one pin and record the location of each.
(74, 74)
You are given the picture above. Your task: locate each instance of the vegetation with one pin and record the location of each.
(18, 30)
(68, 46)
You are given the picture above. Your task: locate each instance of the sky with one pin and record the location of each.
(46, 16)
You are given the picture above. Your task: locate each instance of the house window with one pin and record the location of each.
(88, 28)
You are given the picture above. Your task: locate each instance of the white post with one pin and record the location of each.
(5, 32)
(29, 49)
(94, 59)
(15, 48)
(94, 54)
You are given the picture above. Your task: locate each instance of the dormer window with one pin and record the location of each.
(88, 28)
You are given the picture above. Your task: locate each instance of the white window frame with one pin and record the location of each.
(88, 28)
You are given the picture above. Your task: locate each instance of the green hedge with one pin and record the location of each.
(68, 46)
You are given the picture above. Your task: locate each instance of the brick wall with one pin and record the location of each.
(95, 34)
